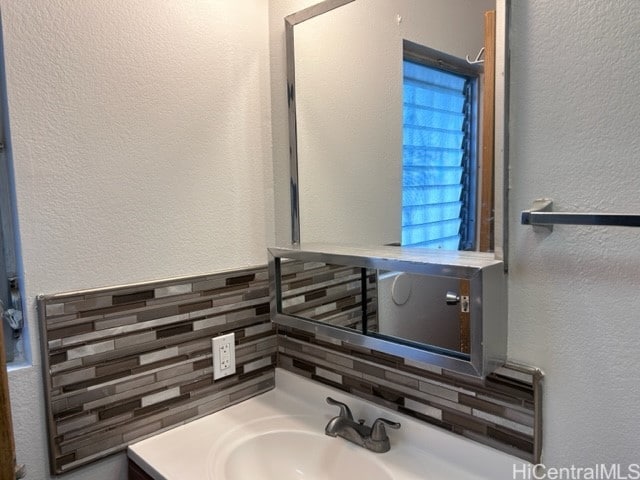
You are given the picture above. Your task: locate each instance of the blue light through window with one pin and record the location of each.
(438, 179)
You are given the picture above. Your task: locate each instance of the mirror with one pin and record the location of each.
(393, 305)
(442, 308)
(345, 76)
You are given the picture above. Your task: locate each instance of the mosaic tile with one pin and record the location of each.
(127, 362)
(172, 290)
(329, 375)
(257, 364)
(498, 411)
(422, 408)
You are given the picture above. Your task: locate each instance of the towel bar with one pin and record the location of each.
(540, 215)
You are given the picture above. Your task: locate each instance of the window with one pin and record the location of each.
(11, 321)
(440, 105)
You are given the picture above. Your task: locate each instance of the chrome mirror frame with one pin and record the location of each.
(487, 279)
(501, 112)
(291, 21)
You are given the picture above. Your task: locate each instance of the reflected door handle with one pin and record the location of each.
(452, 298)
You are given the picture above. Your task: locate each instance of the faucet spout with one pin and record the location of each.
(372, 438)
(347, 429)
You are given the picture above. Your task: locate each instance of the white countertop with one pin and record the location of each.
(418, 451)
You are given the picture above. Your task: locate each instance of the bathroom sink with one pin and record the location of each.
(294, 455)
(280, 435)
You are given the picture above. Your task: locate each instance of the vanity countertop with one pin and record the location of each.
(198, 450)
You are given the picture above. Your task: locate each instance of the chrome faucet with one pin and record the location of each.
(372, 438)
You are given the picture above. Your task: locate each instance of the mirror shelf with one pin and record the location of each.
(486, 341)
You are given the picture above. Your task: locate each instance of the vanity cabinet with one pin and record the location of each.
(134, 472)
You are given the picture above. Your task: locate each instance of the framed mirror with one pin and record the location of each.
(443, 308)
(365, 168)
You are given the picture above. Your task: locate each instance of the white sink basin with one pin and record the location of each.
(279, 435)
(281, 449)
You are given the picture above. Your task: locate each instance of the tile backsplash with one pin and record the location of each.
(123, 363)
(502, 411)
(127, 362)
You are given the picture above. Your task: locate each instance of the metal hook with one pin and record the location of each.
(478, 58)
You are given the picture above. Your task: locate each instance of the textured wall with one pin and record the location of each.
(140, 133)
(573, 294)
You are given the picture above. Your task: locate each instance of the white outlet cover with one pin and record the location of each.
(224, 355)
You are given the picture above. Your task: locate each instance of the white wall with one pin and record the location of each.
(413, 307)
(141, 142)
(573, 294)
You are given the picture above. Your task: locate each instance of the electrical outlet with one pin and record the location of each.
(224, 355)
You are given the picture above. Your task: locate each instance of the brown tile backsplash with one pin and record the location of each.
(498, 411)
(124, 363)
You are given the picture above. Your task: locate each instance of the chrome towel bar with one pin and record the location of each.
(540, 215)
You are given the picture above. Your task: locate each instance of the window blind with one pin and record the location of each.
(437, 200)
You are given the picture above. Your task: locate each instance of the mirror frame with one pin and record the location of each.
(488, 305)
(501, 110)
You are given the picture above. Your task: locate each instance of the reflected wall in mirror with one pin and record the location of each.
(399, 306)
(424, 309)
(364, 168)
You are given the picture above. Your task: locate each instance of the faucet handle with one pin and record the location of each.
(378, 431)
(345, 411)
